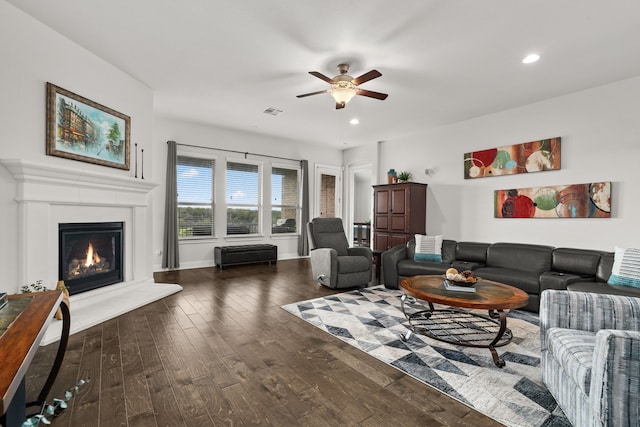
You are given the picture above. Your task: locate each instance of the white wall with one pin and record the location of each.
(199, 253)
(362, 198)
(32, 55)
(599, 127)
(600, 131)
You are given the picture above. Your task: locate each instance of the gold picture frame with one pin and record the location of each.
(83, 130)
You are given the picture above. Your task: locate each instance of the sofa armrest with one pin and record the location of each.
(390, 260)
(324, 266)
(466, 265)
(587, 311)
(557, 280)
(361, 251)
(615, 377)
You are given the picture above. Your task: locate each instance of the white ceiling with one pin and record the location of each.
(442, 61)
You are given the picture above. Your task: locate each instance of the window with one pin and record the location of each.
(284, 200)
(243, 198)
(195, 196)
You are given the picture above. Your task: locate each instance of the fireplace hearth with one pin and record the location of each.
(90, 255)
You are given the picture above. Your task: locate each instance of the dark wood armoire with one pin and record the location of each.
(399, 213)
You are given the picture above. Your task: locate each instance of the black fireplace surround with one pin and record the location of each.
(90, 255)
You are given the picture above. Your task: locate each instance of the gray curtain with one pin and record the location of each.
(303, 242)
(170, 257)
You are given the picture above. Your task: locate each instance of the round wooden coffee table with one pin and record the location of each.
(453, 324)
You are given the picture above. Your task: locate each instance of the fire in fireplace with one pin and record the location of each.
(90, 255)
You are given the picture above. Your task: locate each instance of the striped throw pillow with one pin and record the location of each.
(428, 248)
(626, 268)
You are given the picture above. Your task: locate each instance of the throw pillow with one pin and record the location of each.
(626, 268)
(428, 248)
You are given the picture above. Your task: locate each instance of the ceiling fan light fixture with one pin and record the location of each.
(342, 91)
(344, 87)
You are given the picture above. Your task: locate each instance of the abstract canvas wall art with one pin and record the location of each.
(592, 200)
(534, 156)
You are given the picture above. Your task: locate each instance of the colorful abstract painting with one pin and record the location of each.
(534, 156)
(591, 200)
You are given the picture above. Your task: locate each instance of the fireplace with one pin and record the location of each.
(90, 255)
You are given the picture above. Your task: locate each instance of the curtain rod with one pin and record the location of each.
(246, 153)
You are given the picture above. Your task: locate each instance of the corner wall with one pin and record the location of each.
(33, 54)
(600, 133)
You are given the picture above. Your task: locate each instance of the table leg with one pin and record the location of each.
(425, 313)
(57, 364)
(499, 362)
(15, 414)
(406, 335)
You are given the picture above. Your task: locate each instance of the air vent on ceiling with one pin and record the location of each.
(273, 111)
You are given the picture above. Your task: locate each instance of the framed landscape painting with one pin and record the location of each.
(80, 129)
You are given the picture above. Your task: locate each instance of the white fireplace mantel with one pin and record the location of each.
(48, 194)
(48, 183)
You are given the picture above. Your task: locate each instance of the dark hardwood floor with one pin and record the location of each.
(223, 352)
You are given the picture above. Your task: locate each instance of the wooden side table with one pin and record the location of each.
(25, 328)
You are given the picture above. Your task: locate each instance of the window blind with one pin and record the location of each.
(284, 200)
(243, 198)
(195, 179)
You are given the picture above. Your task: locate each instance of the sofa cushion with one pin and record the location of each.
(352, 264)
(531, 258)
(603, 288)
(448, 251)
(407, 268)
(525, 280)
(574, 351)
(329, 233)
(604, 267)
(581, 262)
(626, 268)
(472, 251)
(428, 248)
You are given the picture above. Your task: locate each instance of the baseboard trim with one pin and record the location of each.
(202, 264)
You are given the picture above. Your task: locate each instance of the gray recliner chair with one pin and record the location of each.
(333, 263)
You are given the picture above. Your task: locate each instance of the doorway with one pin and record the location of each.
(328, 200)
(360, 203)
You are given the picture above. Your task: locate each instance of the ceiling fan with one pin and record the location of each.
(344, 87)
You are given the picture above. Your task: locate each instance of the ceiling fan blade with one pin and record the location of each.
(371, 94)
(373, 74)
(340, 105)
(312, 93)
(321, 76)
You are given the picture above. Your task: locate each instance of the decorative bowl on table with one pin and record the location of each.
(465, 278)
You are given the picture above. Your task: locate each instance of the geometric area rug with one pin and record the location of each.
(371, 320)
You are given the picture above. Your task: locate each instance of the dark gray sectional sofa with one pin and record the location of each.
(532, 268)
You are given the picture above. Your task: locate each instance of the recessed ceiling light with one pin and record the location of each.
(354, 121)
(533, 57)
